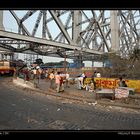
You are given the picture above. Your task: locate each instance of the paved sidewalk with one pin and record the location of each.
(83, 96)
(73, 93)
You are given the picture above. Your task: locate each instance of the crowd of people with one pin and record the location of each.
(91, 86)
(58, 80)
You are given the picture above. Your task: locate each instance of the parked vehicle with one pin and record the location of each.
(6, 67)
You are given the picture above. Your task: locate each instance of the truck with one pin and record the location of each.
(6, 68)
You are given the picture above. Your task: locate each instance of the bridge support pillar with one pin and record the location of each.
(77, 18)
(1, 20)
(114, 31)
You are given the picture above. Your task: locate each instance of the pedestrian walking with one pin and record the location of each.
(67, 79)
(57, 81)
(52, 79)
(62, 80)
(80, 81)
(36, 72)
(83, 77)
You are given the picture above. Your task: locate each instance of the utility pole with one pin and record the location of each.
(65, 65)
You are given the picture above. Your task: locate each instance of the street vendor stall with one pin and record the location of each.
(105, 92)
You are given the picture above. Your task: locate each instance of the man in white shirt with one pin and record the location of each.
(81, 81)
(98, 74)
(52, 80)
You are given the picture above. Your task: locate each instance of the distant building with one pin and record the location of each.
(75, 65)
(4, 55)
(107, 63)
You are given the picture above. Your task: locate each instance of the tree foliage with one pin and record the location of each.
(125, 67)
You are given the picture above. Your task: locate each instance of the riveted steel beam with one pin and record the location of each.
(44, 41)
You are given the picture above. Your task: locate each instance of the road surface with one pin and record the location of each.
(22, 109)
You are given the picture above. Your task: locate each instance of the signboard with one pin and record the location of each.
(113, 83)
(121, 93)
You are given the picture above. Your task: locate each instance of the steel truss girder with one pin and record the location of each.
(62, 28)
(7, 41)
(27, 15)
(58, 14)
(5, 46)
(37, 23)
(128, 30)
(19, 22)
(43, 41)
(66, 26)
